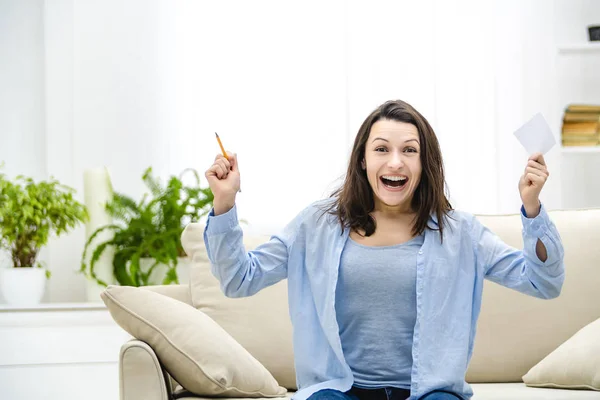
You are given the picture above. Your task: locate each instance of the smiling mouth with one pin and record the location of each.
(395, 182)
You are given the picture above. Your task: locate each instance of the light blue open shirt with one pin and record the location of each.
(449, 288)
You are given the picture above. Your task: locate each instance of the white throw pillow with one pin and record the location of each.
(575, 364)
(193, 348)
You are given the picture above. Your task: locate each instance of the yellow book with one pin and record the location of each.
(583, 108)
(573, 136)
(581, 117)
(580, 140)
(583, 128)
(590, 143)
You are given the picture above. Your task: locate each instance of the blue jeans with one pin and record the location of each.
(379, 394)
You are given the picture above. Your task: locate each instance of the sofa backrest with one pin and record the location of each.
(515, 331)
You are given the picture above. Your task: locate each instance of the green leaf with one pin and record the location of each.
(152, 227)
(32, 211)
(91, 239)
(171, 277)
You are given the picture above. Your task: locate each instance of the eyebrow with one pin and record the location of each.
(385, 140)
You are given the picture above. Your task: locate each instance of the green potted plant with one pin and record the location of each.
(146, 235)
(30, 213)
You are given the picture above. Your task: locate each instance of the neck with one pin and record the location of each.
(393, 212)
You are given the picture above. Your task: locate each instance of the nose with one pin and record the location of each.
(395, 161)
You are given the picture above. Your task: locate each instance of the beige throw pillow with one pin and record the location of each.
(260, 323)
(194, 349)
(575, 364)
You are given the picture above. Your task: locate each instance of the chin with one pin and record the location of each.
(394, 202)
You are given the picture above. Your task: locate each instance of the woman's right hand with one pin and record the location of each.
(224, 181)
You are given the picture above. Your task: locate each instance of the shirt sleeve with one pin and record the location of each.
(522, 270)
(239, 272)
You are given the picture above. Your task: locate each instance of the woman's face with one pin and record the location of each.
(393, 164)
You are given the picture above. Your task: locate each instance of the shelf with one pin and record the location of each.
(582, 149)
(91, 306)
(580, 47)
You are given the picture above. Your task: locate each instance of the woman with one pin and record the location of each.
(385, 278)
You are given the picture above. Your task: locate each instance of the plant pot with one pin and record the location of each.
(22, 286)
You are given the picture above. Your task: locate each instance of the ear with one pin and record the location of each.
(363, 164)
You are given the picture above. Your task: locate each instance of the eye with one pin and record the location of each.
(381, 149)
(410, 150)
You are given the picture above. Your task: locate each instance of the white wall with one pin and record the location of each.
(270, 78)
(22, 139)
(286, 86)
(524, 83)
(63, 253)
(465, 101)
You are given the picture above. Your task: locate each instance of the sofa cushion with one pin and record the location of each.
(496, 391)
(518, 391)
(575, 364)
(516, 331)
(260, 323)
(184, 395)
(193, 348)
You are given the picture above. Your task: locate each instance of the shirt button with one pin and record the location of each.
(420, 251)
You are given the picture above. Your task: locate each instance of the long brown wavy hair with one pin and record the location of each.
(353, 200)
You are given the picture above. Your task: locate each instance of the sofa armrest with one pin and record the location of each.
(141, 376)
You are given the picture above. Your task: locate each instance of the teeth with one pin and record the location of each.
(395, 178)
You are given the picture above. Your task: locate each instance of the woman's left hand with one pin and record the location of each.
(531, 183)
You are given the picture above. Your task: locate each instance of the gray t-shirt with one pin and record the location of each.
(376, 311)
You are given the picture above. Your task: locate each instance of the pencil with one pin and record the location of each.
(221, 146)
(224, 153)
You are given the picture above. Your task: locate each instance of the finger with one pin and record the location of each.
(212, 175)
(222, 170)
(537, 172)
(213, 171)
(224, 163)
(535, 179)
(218, 170)
(234, 162)
(537, 165)
(219, 156)
(539, 157)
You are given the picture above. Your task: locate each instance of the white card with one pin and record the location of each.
(536, 136)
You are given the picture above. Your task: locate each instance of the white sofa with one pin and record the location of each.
(514, 332)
